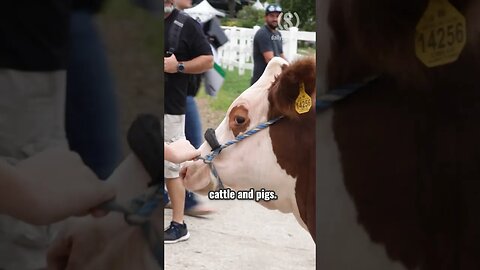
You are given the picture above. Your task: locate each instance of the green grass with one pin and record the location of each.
(306, 51)
(233, 86)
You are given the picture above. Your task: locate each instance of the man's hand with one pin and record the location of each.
(106, 243)
(180, 151)
(52, 186)
(170, 64)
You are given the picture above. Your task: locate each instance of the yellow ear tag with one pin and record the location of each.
(303, 103)
(441, 34)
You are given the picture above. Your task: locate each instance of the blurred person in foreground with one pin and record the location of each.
(42, 181)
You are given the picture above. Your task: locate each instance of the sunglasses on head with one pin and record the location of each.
(274, 9)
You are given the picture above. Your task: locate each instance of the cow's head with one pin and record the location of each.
(257, 162)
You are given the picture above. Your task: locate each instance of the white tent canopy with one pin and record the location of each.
(258, 5)
(203, 11)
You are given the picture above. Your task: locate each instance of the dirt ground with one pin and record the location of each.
(210, 118)
(242, 234)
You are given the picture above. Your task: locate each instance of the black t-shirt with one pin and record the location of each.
(192, 44)
(265, 40)
(34, 34)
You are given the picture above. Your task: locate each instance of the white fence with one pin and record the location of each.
(238, 51)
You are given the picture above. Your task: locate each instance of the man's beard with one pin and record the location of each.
(272, 26)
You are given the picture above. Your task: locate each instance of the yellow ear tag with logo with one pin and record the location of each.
(441, 34)
(303, 103)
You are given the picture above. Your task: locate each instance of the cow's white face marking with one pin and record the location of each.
(252, 162)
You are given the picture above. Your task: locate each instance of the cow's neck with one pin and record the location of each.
(293, 143)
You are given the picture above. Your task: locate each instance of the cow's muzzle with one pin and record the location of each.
(212, 140)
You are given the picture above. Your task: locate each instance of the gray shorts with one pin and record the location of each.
(174, 129)
(31, 120)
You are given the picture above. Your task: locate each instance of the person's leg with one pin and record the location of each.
(166, 199)
(91, 123)
(174, 129)
(177, 231)
(176, 192)
(193, 133)
(193, 124)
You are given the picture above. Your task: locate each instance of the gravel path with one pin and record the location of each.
(242, 235)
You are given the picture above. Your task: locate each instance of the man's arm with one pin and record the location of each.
(268, 55)
(49, 187)
(197, 65)
(198, 48)
(180, 151)
(265, 45)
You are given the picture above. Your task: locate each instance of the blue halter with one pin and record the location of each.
(325, 101)
(217, 148)
(138, 213)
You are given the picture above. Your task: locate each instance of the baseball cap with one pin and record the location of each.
(272, 8)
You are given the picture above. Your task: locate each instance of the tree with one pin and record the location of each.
(231, 8)
(305, 10)
(249, 17)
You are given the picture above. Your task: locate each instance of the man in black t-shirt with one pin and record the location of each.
(192, 55)
(267, 42)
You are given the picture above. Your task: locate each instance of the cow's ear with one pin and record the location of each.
(292, 94)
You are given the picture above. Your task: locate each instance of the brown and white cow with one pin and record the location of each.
(280, 158)
(398, 161)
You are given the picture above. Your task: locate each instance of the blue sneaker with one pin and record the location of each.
(175, 233)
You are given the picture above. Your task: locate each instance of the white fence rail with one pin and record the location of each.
(238, 51)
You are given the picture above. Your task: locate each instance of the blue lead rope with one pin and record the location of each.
(139, 209)
(208, 159)
(326, 101)
(138, 213)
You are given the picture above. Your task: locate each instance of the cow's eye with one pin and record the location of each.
(239, 120)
